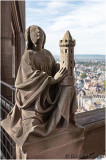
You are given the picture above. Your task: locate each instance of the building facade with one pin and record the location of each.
(12, 48)
(12, 41)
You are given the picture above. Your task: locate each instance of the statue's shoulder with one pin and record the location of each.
(27, 54)
(50, 56)
(48, 53)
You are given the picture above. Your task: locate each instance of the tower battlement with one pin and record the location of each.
(67, 43)
(67, 53)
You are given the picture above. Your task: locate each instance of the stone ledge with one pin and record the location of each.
(65, 143)
(58, 145)
(89, 117)
(88, 142)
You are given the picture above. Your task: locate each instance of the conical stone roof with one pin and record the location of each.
(67, 36)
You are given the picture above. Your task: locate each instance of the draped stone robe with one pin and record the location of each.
(39, 106)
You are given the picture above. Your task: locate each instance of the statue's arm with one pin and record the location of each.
(28, 73)
(58, 74)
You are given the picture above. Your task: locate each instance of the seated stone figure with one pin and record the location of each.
(41, 104)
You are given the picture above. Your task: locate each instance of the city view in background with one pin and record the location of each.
(89, 81)
(85, 21)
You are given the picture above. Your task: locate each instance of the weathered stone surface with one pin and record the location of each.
(58, 145)
(45, 92)
(88, 142)
(68, 144)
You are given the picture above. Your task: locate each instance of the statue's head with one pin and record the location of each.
(34, 35)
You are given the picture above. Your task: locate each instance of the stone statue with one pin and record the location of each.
(45, 93)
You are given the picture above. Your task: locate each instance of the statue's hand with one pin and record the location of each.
(59, 76)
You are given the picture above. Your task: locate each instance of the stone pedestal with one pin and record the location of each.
(61, 144)
(71, 143)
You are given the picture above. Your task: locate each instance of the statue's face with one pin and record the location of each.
(37, 36)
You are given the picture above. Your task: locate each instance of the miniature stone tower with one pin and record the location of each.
(67, 53)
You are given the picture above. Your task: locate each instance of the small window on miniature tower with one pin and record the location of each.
(71, 70)
(65, 50)
(71, 51)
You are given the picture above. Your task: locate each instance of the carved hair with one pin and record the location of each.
(29, 43)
